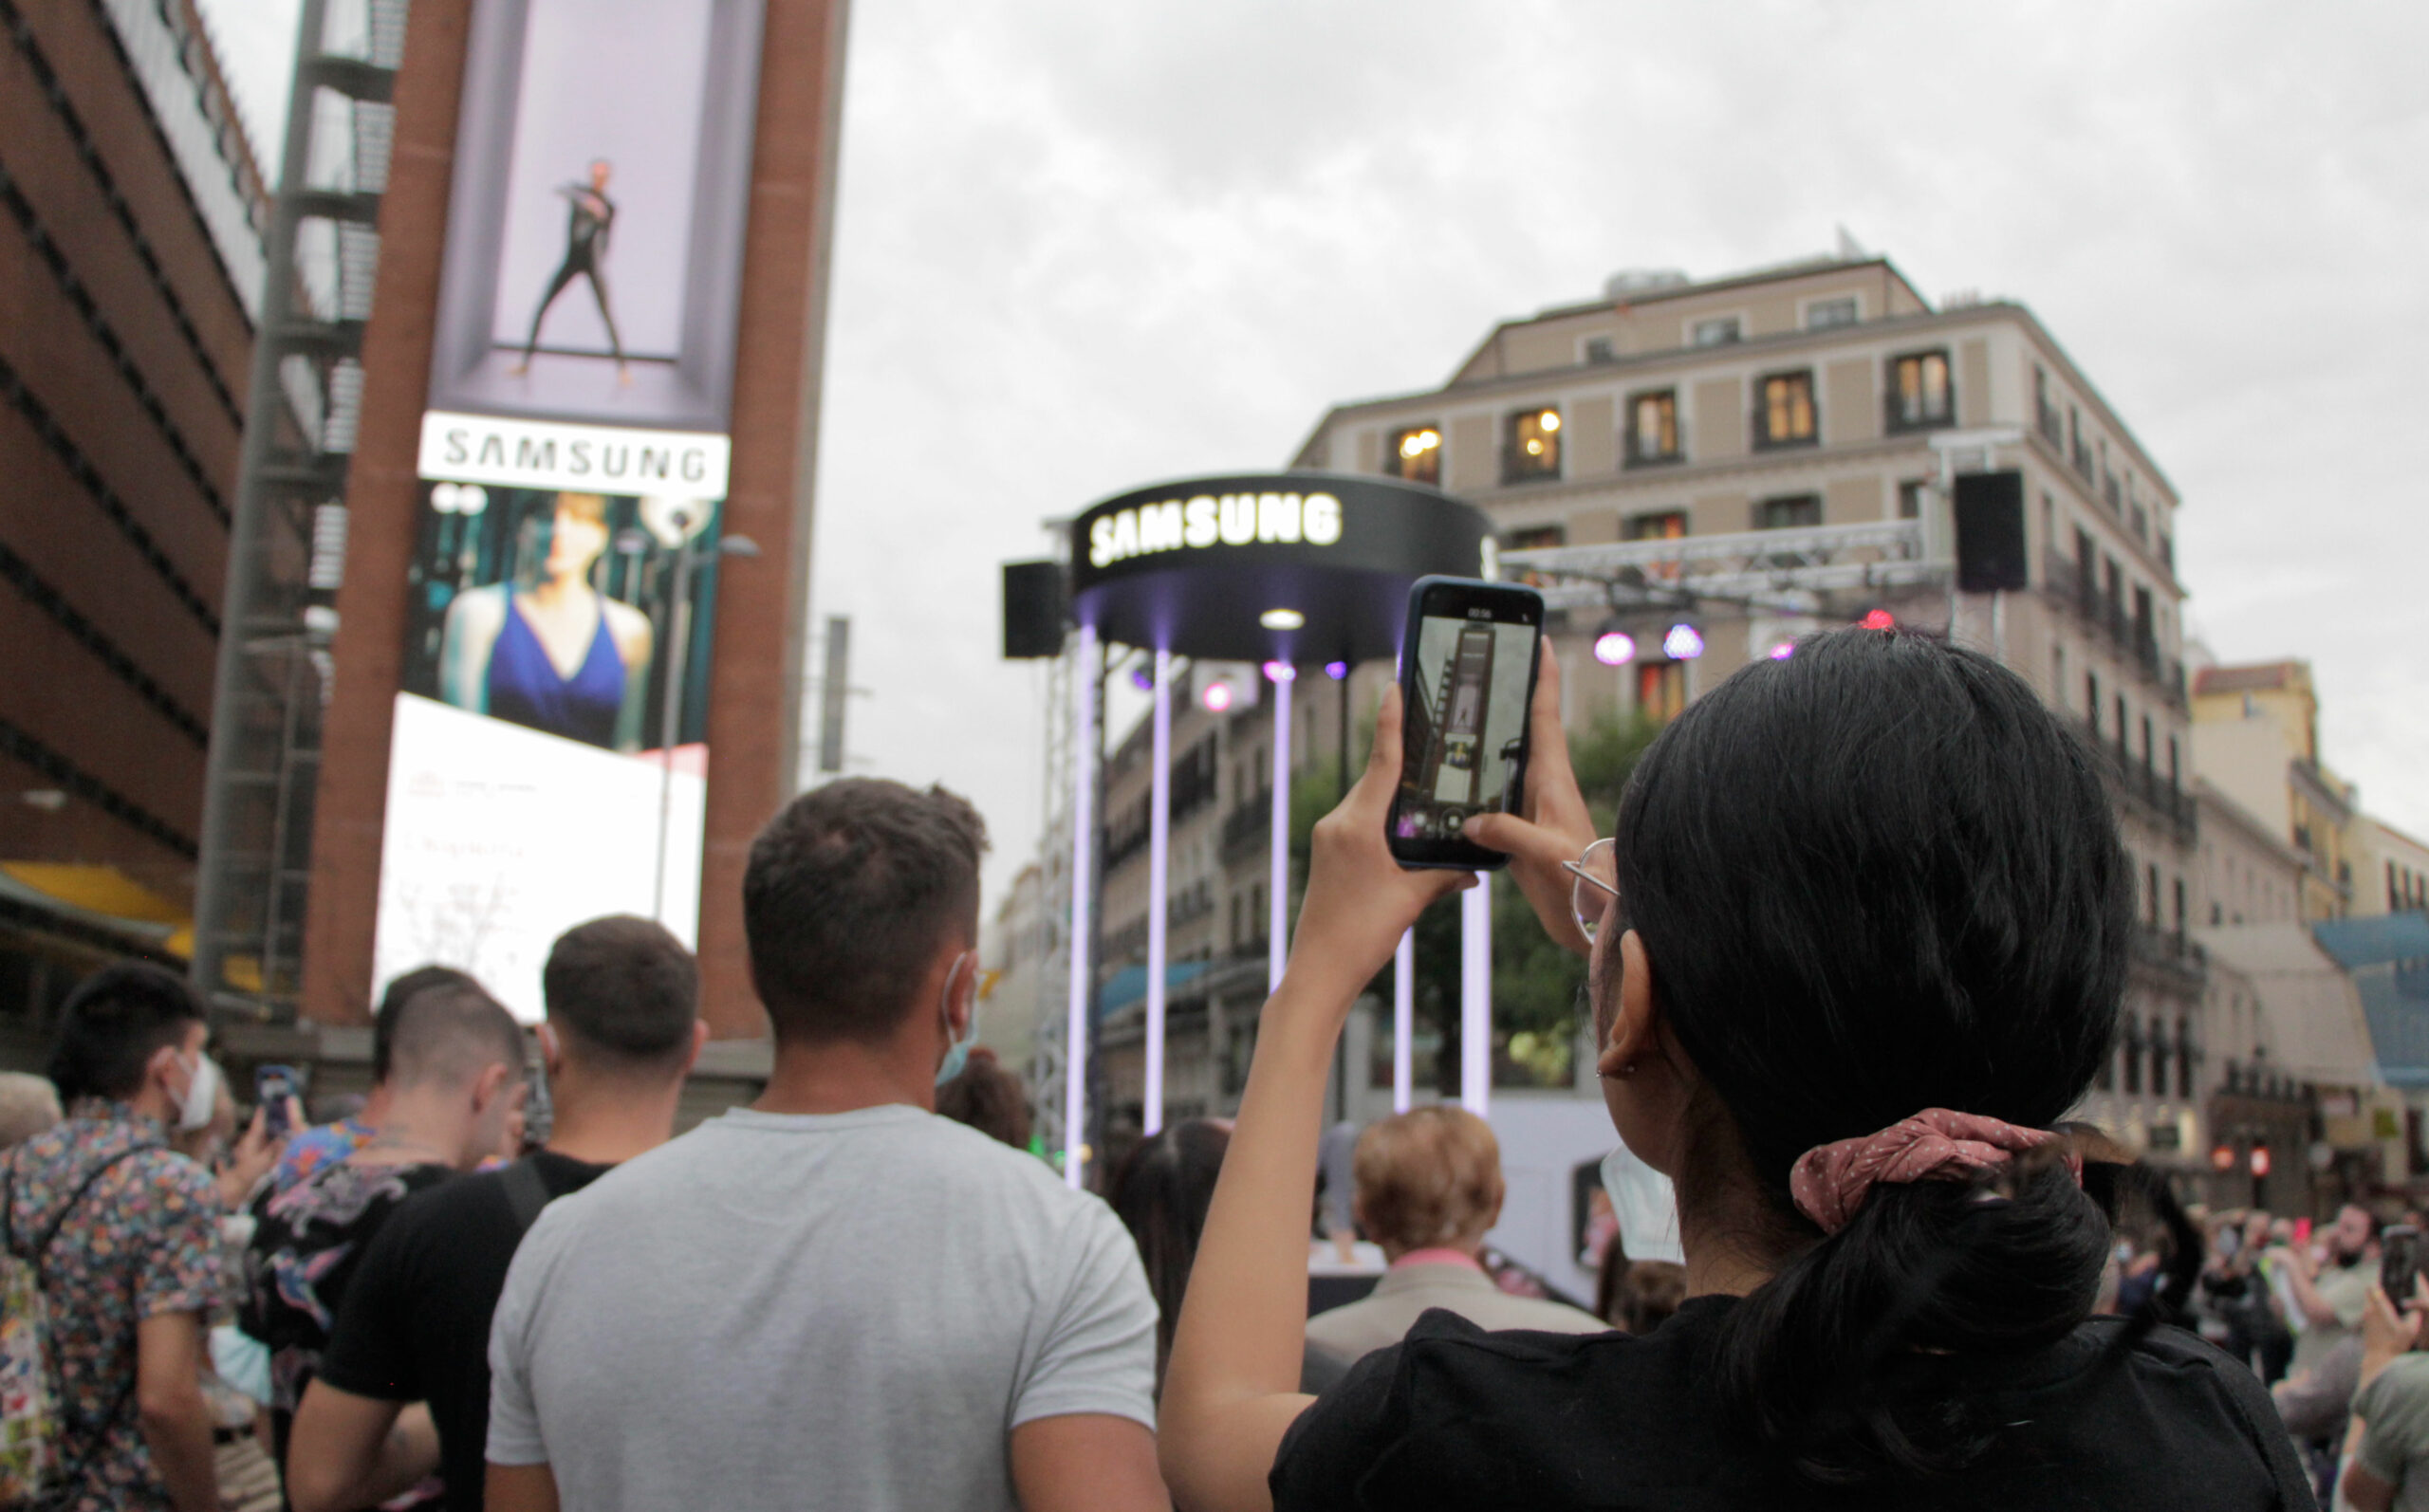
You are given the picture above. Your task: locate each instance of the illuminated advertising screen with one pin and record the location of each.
(548, 764)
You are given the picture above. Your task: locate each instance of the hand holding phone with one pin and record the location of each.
(275, 1089)
(1468, 659)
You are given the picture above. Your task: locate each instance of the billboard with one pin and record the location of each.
(548, 761)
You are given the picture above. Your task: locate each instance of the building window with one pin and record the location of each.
(1665, 526)
(1414, 453)
(2184, 1057)
(1794, 512)
(2179, 905)
(2045, 414)
(1718, 331)
(1653, 428)
(1910, 498)
(1661, 688)
(1825, 313)
(2151, 893)
(2133, 1056)
(2091, 701)
(1532, 451)
(1785, 416)
(2081, 452)
(1919, 396)
(1599, 350)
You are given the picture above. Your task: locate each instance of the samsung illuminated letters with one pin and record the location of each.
(1207, 519)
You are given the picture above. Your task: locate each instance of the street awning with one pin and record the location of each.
(2388, 959)
(100, 897)
(2316, 1026)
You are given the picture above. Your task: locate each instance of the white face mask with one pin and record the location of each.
(1646, 1207)
(202, 1097)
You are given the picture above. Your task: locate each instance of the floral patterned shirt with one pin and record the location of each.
(142, 1242)
(307, 1243)
(320, 1145)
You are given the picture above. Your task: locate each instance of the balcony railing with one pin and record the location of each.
(2053, 430)
(1760, 424)
(2062, 580)
(1896, 418)
(1248, 826)
(2158, 797)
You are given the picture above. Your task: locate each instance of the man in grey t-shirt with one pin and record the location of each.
(834, 1299)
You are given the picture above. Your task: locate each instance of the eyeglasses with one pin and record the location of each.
(1597, 886)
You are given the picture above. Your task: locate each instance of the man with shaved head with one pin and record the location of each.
(455, 1074)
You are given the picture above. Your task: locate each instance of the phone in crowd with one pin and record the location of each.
(274, 1087)
(2399, 1261)
(1467, 679)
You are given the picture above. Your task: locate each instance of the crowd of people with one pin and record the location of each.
(1848, 973)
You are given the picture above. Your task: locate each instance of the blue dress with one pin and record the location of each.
(524, 686)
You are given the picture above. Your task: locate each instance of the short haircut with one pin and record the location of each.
(112, 1023)
(384, 1021)
(448, 1034)
(1429, 1176)
(849, 891)
(28, 1104)
(624, 988)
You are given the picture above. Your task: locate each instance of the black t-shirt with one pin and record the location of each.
(1458, 1417)
(414, 1326)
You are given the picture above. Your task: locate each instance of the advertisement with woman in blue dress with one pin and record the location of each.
(548, 610)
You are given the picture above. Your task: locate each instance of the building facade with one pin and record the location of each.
(1807, 417)
(2256, 737)
(130, 262)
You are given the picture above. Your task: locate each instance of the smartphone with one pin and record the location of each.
(1467, 680)
(274, 1088)
(2399, 1261)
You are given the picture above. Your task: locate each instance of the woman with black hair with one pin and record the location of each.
(1858, 945)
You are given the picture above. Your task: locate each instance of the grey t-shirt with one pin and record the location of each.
(2394, 1442)
(850, 1310)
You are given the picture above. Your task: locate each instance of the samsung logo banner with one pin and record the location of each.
(1209, 519)
(573, 459)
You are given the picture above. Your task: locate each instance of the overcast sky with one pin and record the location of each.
(1085, 246)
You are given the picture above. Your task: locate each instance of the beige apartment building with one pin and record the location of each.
(1797, 425)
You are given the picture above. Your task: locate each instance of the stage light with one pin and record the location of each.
(1684, 643)
(1280, 671)
(1548, 421)
(2259, 1160)
(1337, 671)
(1783, 650)
(1217, 698)
(2223, 1156)
(1614, 648)
(1535, 447)
(1880, 620)
(1143, 679)
(1282, 619)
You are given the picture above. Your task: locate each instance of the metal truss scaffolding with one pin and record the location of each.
(286, 551)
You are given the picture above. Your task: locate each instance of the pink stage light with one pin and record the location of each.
(1880, 620)
(1684, 643)
(1337, 671)
(1217, 698)
(1783, 650)
(1280, 671)
(1615, 648)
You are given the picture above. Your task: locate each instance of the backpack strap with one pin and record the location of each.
(50, 1231)
(526, 1193)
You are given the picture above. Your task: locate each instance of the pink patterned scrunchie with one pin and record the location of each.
(1829, 1182)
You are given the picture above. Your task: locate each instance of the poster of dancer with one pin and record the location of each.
(594, 246)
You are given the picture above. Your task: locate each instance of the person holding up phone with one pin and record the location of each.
(1861, 942)
(2389, 1444)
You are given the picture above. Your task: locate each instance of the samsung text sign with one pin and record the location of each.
(573, 459)
(1208, 520)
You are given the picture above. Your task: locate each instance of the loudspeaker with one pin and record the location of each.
(1989, 532)
(1035, 606)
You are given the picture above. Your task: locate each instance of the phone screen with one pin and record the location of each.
(2399, 1260)
(1467, 676)
(272, 1087)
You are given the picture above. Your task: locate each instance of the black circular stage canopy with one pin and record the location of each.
(1268, 566)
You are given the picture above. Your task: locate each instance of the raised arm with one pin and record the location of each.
(1231, 1388)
